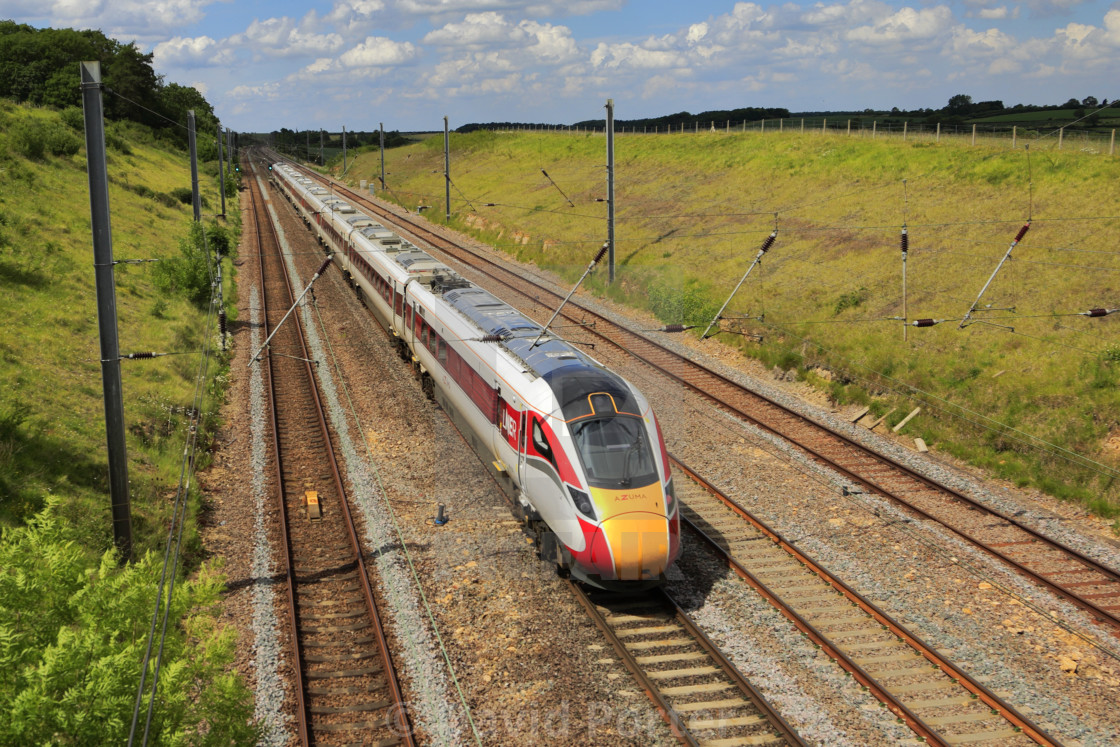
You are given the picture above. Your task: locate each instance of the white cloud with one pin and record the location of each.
(627, 55)
(696, 32)
(131, 19)
(907, 25)
(199, 51)
(379, 51)
(284, 37)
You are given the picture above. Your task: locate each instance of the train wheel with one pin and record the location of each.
(428, 384)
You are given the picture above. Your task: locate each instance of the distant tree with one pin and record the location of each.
(1071, 104)
(1089, 102)
(959, 104)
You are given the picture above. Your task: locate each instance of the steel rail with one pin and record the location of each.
(653, 691)
(403, 727)
(278, 462)
(895, 705)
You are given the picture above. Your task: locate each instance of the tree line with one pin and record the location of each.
(40, 66)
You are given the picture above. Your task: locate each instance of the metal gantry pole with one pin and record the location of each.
(221, 172)
(446, 169)
(381, 128)
(322, 151)
(344, 150)
(610, 190)
(98, 173)
(195, 198)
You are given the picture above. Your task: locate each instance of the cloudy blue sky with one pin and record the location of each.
(323, 64)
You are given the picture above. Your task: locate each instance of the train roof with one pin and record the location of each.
(552, 358)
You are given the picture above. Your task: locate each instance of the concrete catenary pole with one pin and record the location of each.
(381, 128)
(221, 172)
(344, 149)
(196, 200)
(446, 169)
(98, 173)
(322, 151)
(610, 190)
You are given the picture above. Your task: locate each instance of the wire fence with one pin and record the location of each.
(1085, 140)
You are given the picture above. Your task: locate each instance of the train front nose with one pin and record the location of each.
(632, 546)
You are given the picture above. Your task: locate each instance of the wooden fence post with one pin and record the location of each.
(938, 140)
(874, 127)
(849, 127)
(904, 128)
(1014, 135)
(1061, 134)
(974, 134)
(1112, 144)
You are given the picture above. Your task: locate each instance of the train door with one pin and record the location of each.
(521, 448)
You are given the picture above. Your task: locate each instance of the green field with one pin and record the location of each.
(1028, 390)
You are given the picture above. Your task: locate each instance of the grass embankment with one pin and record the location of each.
(74, 625)
(693, 210)
(52, 422)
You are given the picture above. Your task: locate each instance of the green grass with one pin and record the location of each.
(51, 414)
(693, 210)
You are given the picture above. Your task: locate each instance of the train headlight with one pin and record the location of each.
(670, 498)
(583, 503)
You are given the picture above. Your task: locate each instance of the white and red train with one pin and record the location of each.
(577, 445)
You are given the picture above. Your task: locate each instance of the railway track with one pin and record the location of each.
(939, 701)
(1063, 570)
(698, 691)
(345, 685)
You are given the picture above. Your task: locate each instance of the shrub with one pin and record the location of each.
(183, 194)
(74, 118)
(74, 628)
(189, 273)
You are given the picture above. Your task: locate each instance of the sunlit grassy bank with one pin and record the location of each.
(1028, 390)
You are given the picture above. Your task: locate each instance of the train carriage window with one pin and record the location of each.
(408, 317)
(399, 304)
(419, 325)
(540, 443)
(433, 340)
(424, 334)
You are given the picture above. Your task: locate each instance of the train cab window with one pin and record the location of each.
(615, 452)
(540, 442)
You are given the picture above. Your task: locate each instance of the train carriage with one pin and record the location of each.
(579, 446)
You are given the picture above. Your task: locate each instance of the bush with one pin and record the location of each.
(189, 273)
(73, 631)
(28, 140)
(74, 118)
(36, 140)
(183, 194)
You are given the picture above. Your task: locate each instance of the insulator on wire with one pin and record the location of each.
(925, 322)
(599, 256)
(905, 241)
(137, 356)
(1099, 312)
(1022, 232)
(490, 338)
(677, 327)
(222, 321)
(769, 242)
